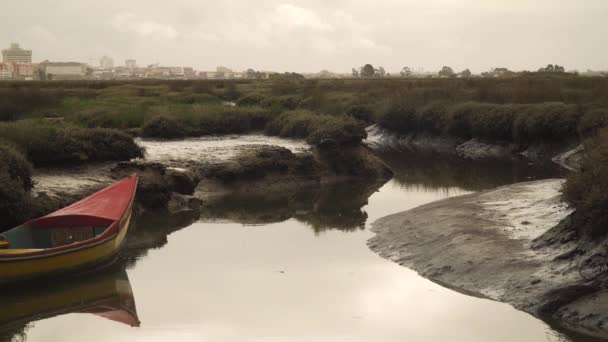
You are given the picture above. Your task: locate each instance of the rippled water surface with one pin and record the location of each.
(280, 267)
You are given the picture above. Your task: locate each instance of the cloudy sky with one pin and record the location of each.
(311, 35)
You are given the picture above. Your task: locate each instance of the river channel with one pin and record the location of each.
(280, 267)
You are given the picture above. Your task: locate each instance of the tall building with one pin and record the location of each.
(15, 54)
(106, 62)
(131, 63)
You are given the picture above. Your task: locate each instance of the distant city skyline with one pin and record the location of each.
(314, 35)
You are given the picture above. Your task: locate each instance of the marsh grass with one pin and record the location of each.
(587, 190)
(199, 120)
(15, 184)
(47, 143)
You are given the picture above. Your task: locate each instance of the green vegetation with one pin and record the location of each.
(317, 129)
(523, 109)
(587, 190)
(520, 123)
(46, 143)
(15, 184)
(206, 120)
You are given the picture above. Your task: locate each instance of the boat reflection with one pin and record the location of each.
(107, 294)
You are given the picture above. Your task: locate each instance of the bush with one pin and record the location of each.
(207, 120)
(592, 121)
(587, 190)
(250, 100)
(337, 132)
(546, 122)
(15, 184)
(165, 127)
(317, 129)
(361, 113)
(50, 143)
(398, 117)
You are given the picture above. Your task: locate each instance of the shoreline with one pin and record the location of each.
(565, 154)
(482, 244)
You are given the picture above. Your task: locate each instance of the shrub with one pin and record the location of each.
(207, 120)
(318, 129)
(202, 87)
(15, 183)
(250, 100)
(397, 117)
(361, 113)
(546, 122)
(49, 143)
(165, 127)
(592, 121)
(587, 190)
(337, 132)
(293, 124)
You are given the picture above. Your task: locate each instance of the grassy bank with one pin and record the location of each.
(206, 120)
(587, 190)
(519, 123)
(52, 143)
(521, 109)
(15, 184)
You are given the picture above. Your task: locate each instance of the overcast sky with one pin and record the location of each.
(311, 35)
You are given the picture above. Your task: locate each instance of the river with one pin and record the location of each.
(280, 268)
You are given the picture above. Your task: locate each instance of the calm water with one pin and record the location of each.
(281, 267)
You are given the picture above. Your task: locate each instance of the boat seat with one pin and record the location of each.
(31, 238)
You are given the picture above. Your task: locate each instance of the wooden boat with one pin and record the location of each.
(108, 295)
(84, 234)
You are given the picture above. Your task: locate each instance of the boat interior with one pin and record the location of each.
(53, 232)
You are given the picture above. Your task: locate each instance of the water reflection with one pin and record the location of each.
(150, 230)
(435, 171)
(107, 294)
(284, 280)
(326, 206)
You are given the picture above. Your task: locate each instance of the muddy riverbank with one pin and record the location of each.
(177, 176)
(487, 244)
(565, 153)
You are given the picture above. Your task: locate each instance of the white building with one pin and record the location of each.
(131, 63)
(61, 70)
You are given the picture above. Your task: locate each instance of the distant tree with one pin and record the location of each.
(325, 74)
(552, 68)
(406, 72)
(367, 71)
(250, 73)
(466, 73)
(355, 72)
(446, 71)
(380, 72)
(548, 68)
(497, 72)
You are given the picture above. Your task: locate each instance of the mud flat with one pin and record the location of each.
(489, 244)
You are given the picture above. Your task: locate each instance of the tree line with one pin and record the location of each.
(369, 71)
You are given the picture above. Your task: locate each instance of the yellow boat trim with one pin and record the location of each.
(17, 251)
